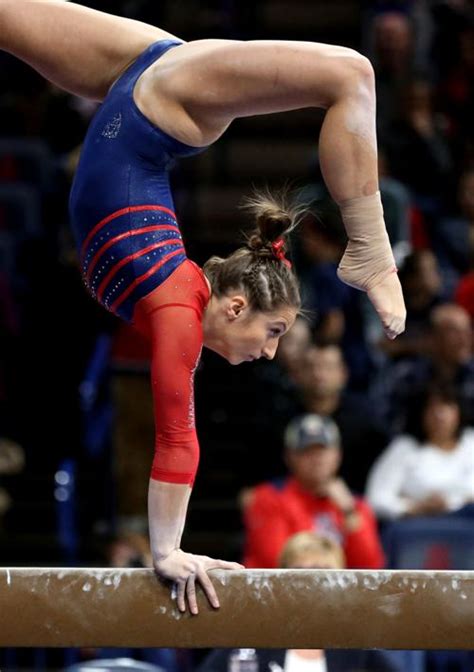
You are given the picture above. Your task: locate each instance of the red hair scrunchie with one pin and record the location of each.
(278, 248)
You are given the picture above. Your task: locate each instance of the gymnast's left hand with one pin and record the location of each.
(187, 569)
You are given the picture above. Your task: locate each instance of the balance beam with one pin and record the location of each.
(259, 608)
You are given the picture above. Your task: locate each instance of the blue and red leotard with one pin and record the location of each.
(133, 259)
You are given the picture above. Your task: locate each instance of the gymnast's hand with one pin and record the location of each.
(387, 299)
(186, 569)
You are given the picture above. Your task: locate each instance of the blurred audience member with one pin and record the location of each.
(417, 152)
(422, 289)
(464, 294)
(430, 469)
(455, 50)
(130, 550)
(312, 497)
(336, 308)
(324, 392)
(309, 550)
(448, 359)
(392, 54)
(276, 400)
(32, 107)
(12, 458)
(396, 205)
(292, 347)
(12, 461)
(453, 238)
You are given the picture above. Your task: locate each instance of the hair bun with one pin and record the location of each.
(276, 214)
(257, 244)
(273, 218)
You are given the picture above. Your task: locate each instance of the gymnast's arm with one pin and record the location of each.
(176, 336)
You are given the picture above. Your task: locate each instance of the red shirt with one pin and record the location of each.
(280, 509)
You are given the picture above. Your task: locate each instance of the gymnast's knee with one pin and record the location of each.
(357, 75)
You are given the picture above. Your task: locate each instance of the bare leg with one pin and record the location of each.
(217, 82)
(78, 49)
(347, 143)
(243, 79)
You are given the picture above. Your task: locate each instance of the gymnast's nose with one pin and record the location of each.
(270, 349)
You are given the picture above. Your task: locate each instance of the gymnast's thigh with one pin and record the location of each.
(77, 48)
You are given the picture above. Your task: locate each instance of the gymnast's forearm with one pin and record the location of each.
(167, 508)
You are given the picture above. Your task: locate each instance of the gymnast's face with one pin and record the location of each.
(240, 334)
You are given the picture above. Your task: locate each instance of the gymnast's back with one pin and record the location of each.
(121, 206)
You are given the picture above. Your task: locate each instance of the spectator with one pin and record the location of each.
(276, 394)
(12, 461)
(312, 497)
(454, 48)
(292, 346)
(453, 239)
(130, 550)
(308, 550)
(324, 391)
(464, 295)
(392, 54)
(396, 202)
(430, 469)
(337, 310)
(417, 152)
(448, 359)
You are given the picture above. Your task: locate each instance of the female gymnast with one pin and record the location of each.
(164, 98)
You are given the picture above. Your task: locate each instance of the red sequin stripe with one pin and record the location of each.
(115, 269)
(116, 239)
(119, 213)
(141, 279)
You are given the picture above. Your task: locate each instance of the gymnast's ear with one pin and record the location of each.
(236, 306)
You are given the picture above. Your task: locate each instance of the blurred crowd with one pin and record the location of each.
(368, 434)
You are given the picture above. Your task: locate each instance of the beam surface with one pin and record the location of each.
(259, 608)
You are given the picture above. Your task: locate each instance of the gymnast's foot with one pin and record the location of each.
(387, 299)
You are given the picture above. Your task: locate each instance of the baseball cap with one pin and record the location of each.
(308, 430)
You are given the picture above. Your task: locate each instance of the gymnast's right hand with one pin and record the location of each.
(187, 569)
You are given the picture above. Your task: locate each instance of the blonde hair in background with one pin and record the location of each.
(310, 544)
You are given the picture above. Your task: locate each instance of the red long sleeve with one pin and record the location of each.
(362, 547)
(172, 319)
(276, 512)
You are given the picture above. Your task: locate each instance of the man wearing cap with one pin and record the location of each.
(311, 497)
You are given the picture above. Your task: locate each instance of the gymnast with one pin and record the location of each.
(163, 99)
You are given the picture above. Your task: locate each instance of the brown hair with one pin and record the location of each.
(255, 269)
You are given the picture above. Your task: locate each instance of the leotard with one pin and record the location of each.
(133, 259)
